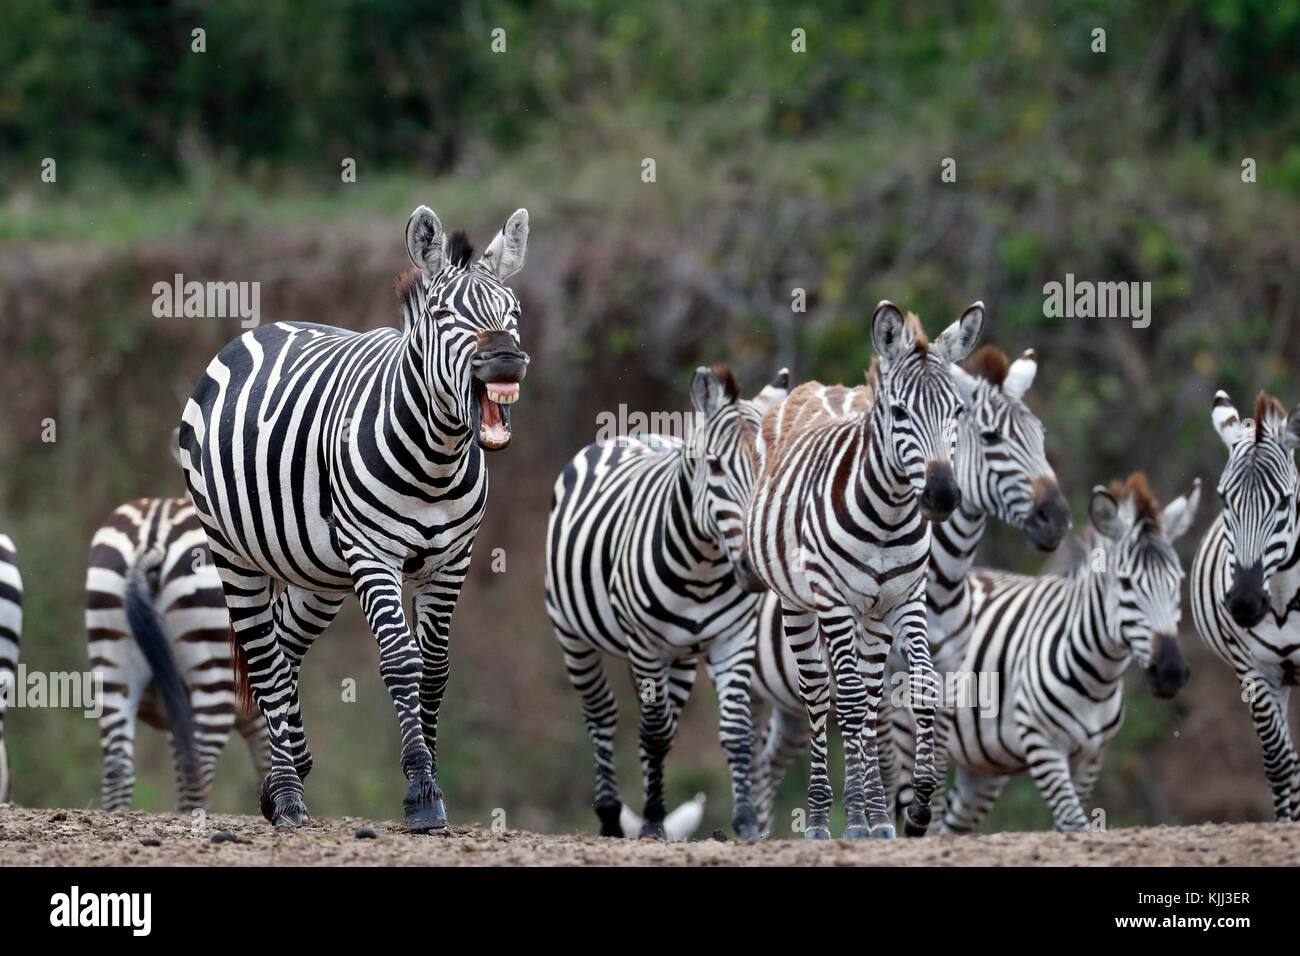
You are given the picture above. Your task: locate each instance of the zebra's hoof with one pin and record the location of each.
(290, 811)
(423, 806)
(265, 800)
(916, 821)
(652, 830)
(860, 832)
(746, 823)
(883, 831)
(817, 833)
(610, 824)
(749, 831)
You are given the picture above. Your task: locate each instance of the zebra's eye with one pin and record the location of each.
(442, 314)
(900, 413)
(715, 466)
(990, 438)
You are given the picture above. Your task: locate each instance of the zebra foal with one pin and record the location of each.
(839, 528)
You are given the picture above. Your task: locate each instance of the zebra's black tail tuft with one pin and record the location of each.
(147, 629)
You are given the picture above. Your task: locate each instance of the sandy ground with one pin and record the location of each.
(97, 838)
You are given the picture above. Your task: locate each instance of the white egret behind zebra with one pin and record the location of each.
(646, 561)
(839, 528)
(325, 461)
(1059, 646)
(1246, 579)
(11, 628)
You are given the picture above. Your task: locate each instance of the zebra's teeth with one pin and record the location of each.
(503, 398)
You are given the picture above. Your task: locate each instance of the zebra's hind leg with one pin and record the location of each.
(117, 661)
(733, 674)
(804, 641)
(249, 597)
(662, 692)
(786, 738)
(300, 617)
(973, 795)
(586, 670)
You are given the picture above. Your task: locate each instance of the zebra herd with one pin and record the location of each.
(813, 547)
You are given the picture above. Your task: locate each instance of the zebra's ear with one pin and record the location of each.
(958, 340)
(1104, 513)
(1179, 514)
(773, 392)
(424, 241)
(505, 254)
(1291, 437)
(1021, 375)
(966, 382)
(1226, 420)
(707, 392)
(891, 335)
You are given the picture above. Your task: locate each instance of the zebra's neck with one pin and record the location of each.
(681, 508)
(424, 408)
(952, 554)
(1284, 587)
(877, 472)
(1090, 634)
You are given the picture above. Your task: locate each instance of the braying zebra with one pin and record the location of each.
(329, 461)
(839, 528)
(11, 628)
(1058, 646)
(1002, 470)
(645, 560)
(1246, 579)
(158, 634)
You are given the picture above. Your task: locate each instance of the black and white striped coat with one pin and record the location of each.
(172, 670)
(839, 528)
(330, 461)
(1002, 471)
(645, 561)
(1051, 652)
(1245, 587)
(11, 629)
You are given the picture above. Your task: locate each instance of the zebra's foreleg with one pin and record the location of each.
(973, 795)
(871, 650)
(248, 597)
(252, 727)
(401, 665)
(1268, 701)
(804, 641)
(907, 621)
(1050, 767)
(786, 738)
(586, 670)
(733, 673)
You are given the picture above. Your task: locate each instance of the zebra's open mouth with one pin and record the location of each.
(492, 412)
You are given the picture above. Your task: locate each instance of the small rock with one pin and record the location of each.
(224, 836)
(151, 841)
(367, 833)
(719, 836)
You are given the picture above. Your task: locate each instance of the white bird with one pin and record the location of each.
(678, 825)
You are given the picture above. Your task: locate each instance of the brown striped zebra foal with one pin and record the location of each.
(11, 627)
(158, 631)
(839, 528)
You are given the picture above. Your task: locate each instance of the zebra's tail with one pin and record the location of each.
(149, 633)
(244, 703)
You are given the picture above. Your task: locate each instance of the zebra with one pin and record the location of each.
(158, 630)
(11, 629)
(645, 561)
(838, 527)
(1002, 470)
(1246, 579)
(328, 461)
(1059, 645)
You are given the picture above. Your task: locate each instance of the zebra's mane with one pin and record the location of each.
(1136, 487)
(1266, 405)
(459, 249)
(989, 363)
(919, 339)
(410, 296)
(730, 387)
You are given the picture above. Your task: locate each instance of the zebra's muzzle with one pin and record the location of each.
(746, 579)
(1247, 600)
(941, 495)
(1168, 671)
(497, 367)
(1050, 519)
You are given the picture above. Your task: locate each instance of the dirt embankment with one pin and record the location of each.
(97, 838)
